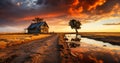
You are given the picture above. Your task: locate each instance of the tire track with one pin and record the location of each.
(38, 51)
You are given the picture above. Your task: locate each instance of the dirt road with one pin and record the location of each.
(39, 51)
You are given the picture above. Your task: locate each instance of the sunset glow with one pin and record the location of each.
(95, 15)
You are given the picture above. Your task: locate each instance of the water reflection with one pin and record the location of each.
(72, 41)
(100, 43)
(69, 38)
(93, 51)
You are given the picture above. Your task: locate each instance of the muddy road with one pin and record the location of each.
(94, 51)
(47, 50)
(38, 51)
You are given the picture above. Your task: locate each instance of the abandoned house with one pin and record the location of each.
(38, 27)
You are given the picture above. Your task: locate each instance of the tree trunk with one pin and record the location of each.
(76, 32)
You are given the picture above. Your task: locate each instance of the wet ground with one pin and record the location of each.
(46, 51)
(92, 51)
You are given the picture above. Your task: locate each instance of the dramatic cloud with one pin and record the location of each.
(14, 12)
(80, 6)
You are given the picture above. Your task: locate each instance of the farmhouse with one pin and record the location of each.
(38, 27)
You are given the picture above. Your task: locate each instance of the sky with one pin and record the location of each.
(95, 15)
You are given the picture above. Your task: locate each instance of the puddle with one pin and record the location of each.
(92, 42)
(99, 43)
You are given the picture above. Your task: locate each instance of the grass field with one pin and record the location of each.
(113, 38)
(7, 40)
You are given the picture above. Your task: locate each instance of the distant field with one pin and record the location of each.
(17, 38)
(113, 38)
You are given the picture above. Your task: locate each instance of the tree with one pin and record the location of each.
(37, 19)
(75, 25)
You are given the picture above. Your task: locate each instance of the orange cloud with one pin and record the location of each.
(50, 15)
(79, 6)
(98, 3)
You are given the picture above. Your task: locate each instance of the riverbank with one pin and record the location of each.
(65, 55)
(88, 53)
(112, 38)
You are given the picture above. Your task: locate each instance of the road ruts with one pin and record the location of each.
(38, 51)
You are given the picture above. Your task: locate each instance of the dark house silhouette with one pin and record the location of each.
(38, 27)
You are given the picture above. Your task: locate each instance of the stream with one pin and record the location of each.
(100, 43)
(93, 42)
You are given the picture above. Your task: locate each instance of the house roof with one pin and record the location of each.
(37, 25)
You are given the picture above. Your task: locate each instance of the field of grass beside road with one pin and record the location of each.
(113, 38)
(15, 39)
(36, 51)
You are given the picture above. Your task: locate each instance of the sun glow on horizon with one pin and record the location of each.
(95, 26)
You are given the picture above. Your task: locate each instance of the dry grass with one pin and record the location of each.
(37, 51)
(15, 39)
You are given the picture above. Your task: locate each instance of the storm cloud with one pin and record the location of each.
(81, 6)
(19, 11)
